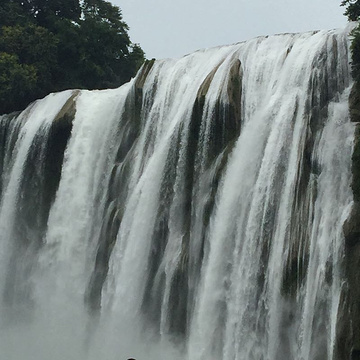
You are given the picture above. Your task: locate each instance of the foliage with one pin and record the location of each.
(60, 44)
(353, 13)
(10, 14)
(23, 41)
(355, 55)
(16, 82)
(352, 9)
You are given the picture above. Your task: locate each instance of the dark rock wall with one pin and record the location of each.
(348, 343)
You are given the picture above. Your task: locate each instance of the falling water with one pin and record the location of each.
(195, 212)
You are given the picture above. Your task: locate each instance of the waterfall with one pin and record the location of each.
(194, 213)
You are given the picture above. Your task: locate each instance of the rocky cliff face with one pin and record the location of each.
(349, 338)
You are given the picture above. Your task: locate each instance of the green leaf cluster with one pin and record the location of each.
(353, 13)
(352, 9)
(52, 45)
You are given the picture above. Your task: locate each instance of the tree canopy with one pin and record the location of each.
(353, 13)
(352, 9)
(52, 45)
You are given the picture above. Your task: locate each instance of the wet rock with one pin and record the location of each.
(354, 104)
(351, 227)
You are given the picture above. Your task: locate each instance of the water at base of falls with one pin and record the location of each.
(193, 213)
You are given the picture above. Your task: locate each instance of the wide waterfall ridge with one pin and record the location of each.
(195, 213)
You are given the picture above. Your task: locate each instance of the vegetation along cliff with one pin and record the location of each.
(48, 46)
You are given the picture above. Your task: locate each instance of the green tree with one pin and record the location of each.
(24, 43)
(12, 13)
(352, 9)
(69, 55)
(45, 12)
(17, 81)
(106, 45)
(66, 44)
(353, 13)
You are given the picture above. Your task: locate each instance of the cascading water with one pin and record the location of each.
(195, 212)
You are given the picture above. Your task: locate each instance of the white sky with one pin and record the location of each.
(168, 28)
